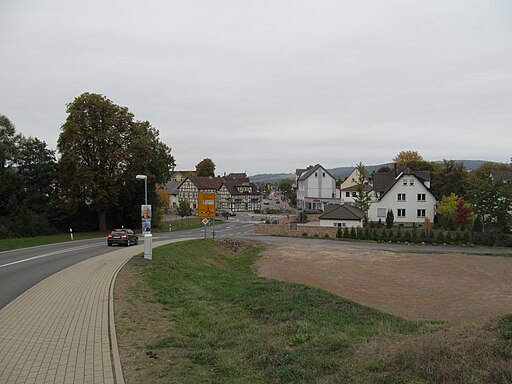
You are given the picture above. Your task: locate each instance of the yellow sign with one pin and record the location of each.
(206, 204)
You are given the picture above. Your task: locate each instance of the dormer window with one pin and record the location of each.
(411, 182)
(405, 182)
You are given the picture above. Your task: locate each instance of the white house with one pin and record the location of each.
(316, 187)
(408, 195)
(345, 215)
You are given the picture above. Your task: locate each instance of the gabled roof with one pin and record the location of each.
(312, 170)
(171, 187)
(343, 212)
(237, 176)
(380, 179)
(353, 188)
(203, 182)
(233, 190)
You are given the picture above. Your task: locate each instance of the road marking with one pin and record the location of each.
(51, 254)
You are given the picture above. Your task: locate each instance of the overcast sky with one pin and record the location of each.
(271, 86)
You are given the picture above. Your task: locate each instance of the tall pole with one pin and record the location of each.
(146, 190)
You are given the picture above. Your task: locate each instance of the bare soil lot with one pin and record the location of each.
(452, 287)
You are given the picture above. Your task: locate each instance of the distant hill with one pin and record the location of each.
(343, 172)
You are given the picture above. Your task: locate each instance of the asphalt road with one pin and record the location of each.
(23, 268)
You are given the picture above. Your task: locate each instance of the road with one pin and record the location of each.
(23, 268)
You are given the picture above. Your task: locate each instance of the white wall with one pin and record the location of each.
(322, 185)
(344, 223)
(411, 203)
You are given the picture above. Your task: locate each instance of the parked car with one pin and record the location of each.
(227, 213)
(123, 236)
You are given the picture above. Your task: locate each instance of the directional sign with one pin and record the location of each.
(206, 204)
(205, 221)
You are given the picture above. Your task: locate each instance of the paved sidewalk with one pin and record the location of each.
(62, 329)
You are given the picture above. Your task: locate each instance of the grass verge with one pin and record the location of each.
(210, 319)
(25, 242)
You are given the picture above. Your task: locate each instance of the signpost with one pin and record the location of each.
(206, 209)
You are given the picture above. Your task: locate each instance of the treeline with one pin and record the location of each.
(91, 185)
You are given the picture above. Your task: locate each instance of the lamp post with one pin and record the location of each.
(145, 178)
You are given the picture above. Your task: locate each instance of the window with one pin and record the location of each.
(400, 212)
(411, 182)
(339, 225)
(401, 197)
(347, 194)
(420, 213)
(323, 174)
(404, 182)
(354, 194)
(381, 212)
(316, 174)
(422, 197)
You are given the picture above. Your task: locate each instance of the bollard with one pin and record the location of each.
(148, 250)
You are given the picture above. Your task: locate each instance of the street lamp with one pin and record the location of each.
(145, 178)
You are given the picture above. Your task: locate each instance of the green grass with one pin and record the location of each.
(25, 242)
(235, 327)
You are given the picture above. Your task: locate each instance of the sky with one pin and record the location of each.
(269, 86)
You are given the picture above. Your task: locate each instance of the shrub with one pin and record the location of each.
(353, 233)
(339, 233)
(407, 236)
(390, 218)
(440, 236)
(346, 233)
(304, 234)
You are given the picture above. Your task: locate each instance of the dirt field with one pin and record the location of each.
(453, 287)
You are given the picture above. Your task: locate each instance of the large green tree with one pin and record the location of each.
(102, 149)
(7, 137)
(452, 177)
(205, 167)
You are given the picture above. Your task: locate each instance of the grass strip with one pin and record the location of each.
(25, 242)
(235, 327)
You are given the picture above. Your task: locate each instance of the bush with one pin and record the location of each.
(346, 233)
(407, 236)
(339, 233)
(440, 236)
(353, 233)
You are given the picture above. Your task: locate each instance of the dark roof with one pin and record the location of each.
(383, 180)
(299, 171)
(353, 188)
(502, 175)
(232, 187)
(237, 177)
(312, 170)
(203, 182)
(171, 187)
(343, 212)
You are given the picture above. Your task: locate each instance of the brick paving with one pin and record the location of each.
(61, 330)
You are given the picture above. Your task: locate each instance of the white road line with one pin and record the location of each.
(51, 254)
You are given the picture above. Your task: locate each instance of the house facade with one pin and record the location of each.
(341, 216)
(233, 193)
(316, 187)
(408, 195)
(192, 186)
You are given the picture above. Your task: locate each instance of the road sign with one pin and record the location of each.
(206, 204)
(205, 221)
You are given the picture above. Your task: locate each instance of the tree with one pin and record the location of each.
(452, 177)
(163, 198)
(463, 214)
(363, 199)
(184, 209)
(7, 137)
(205, 167)
(286, 187)
(102, 149)
(492, 202)
(390, 218)
(405, 157)
(446, 209)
